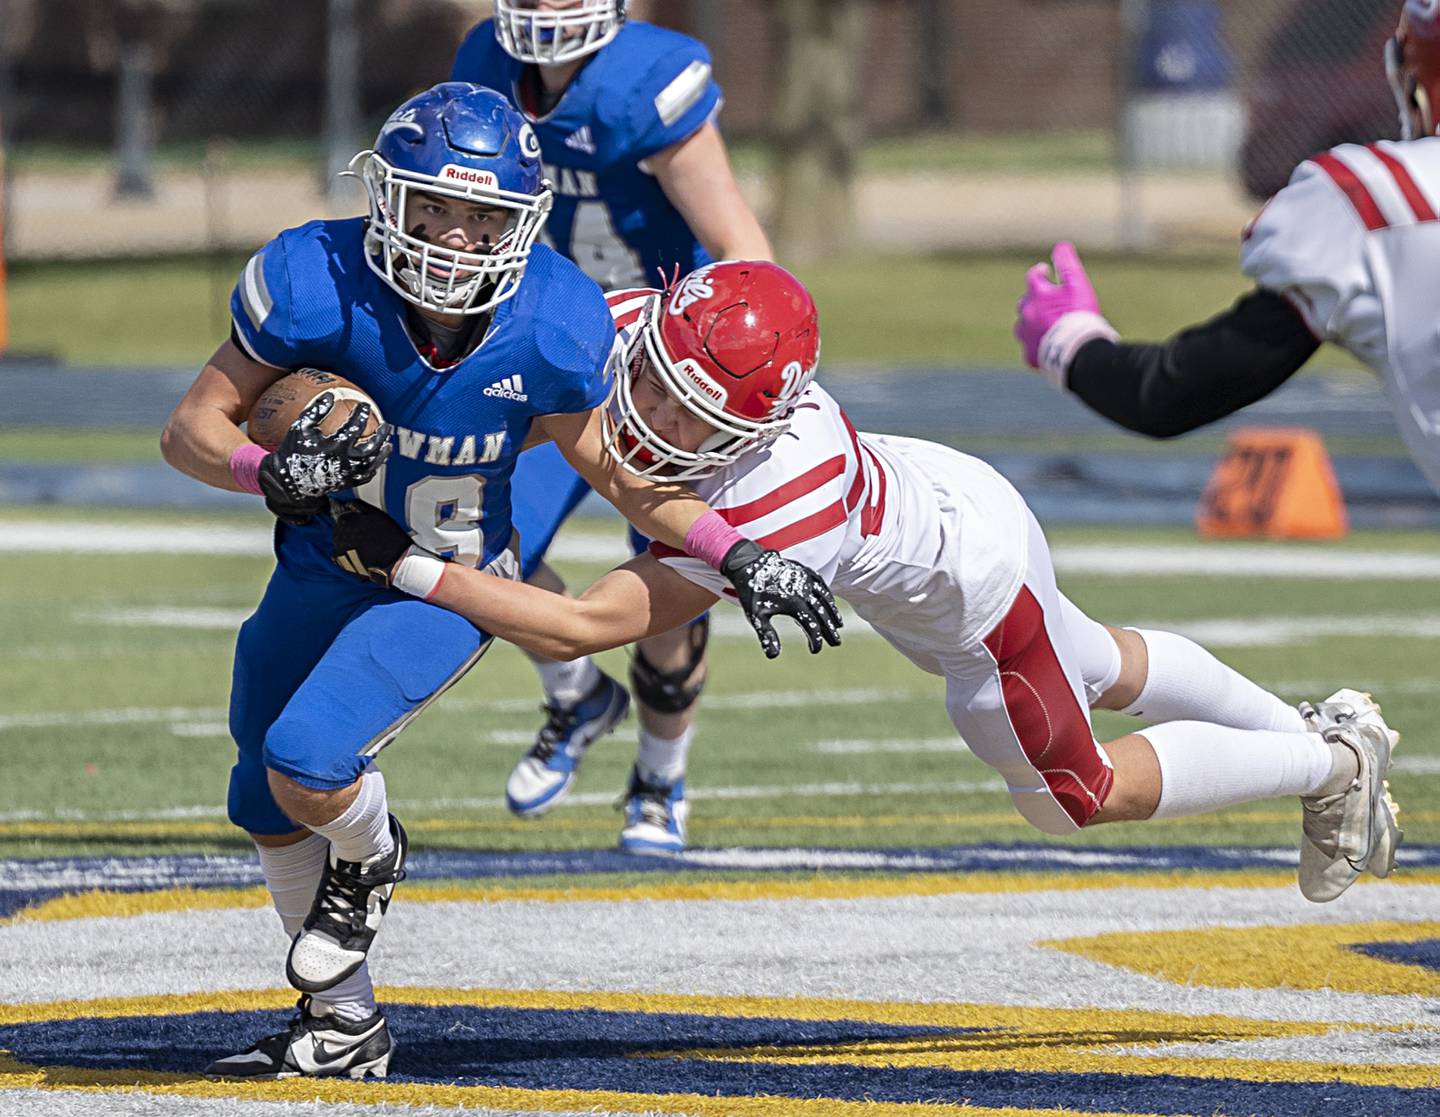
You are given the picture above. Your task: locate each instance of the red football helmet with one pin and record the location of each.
(735, 343)
(1412, 62)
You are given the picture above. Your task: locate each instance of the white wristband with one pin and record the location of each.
(1064, 339)
(418, 573)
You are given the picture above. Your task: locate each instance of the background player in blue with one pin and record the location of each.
(470, 339)
(625, 114)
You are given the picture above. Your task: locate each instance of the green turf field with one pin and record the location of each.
(114, 679)
(956, 310)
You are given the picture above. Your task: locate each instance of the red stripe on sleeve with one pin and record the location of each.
(664, 550)
(872, 516)
(1354, 189)
(1419, 204)
(818, 523)
(793, 490)
(857, 487)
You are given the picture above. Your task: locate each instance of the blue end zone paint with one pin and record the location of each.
(23, 883)
(541, 1049)
(1425, 953)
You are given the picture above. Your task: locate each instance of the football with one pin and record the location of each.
(276, 411)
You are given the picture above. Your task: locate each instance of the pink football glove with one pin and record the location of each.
(1056, 319)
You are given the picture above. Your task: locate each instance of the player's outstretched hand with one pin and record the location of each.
(368, 543)
(770, 585)
(309, 464)
(1056, 319)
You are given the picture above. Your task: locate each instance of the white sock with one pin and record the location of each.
(292, 874)
(353, 999)
(362, 833)
(566, 682)
(1187, 683)
(663, 759)
(1205, 767)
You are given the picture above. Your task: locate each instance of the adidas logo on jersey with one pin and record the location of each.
(512, 387)
(581, 140)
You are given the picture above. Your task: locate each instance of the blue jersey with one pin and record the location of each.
(646, 90)
(308, 299)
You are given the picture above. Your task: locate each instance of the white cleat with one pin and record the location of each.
(1353, 831)
(349, 904)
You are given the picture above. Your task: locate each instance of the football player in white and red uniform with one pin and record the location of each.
(1348, 252)
(942, 557)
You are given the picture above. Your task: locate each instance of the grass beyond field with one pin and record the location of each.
(114, 680)
(881, 310)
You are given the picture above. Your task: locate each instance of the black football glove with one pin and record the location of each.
(768, 585)
(308, 464)
(366, 542)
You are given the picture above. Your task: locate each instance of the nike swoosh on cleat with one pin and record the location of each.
(324, 1054)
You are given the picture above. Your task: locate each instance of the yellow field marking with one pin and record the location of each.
(15, 1075)
(1050, 1040)
(1266, 957)
(100, 904)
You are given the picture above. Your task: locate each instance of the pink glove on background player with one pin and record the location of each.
(1057, 318)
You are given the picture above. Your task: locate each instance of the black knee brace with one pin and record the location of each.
(671, 692)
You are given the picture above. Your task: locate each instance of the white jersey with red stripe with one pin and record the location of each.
(927, 544)
(626, 303)
(1354, 242)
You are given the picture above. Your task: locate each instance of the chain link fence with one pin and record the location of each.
(147, 126)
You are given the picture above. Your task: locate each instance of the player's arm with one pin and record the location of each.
(202, 438)
(642, 598)
(666, 511)
(697, 178)
(203, 432)
(1201, 374)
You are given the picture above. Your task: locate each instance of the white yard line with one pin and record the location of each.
(207, 716)
(863, 746)
(831, 790)
(726, 624)
(1265, 632)
(1261, 560)
(1230, 632)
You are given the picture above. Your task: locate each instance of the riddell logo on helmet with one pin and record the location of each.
(453, 173)
(707, 387)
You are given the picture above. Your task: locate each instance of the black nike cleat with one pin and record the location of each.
(349, 904)
(313, 1046)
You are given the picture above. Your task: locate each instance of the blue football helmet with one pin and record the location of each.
(462, 141)
(558, 33)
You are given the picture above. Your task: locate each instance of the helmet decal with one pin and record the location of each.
(403, 120)
(529, 142)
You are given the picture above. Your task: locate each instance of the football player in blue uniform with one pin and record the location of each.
(625, 114)
(471, 340)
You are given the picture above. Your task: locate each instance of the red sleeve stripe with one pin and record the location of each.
(857, 487)
(818, 523)
(791, 491)
(872, 516)
(664, 550)
(1354, 189)
(1419, 204)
